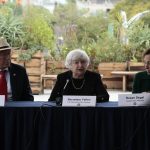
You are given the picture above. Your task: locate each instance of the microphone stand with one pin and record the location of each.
(59, 99)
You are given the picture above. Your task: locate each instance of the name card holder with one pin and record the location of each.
(2, 100)
(77, 101)
(142, 99)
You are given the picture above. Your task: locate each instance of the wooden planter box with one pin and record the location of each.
(34, 67)
(53, 68)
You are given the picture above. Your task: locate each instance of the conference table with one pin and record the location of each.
(45, 126)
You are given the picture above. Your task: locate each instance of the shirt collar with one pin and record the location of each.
(6, 69)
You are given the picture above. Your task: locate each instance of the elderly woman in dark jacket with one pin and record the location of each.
(78, 80)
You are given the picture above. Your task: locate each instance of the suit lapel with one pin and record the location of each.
(13, 78)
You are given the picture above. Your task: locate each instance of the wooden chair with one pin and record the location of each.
(45, 77)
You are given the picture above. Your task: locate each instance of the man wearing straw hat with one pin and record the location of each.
(14, 82)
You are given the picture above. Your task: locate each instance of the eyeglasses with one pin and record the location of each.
(147, 63)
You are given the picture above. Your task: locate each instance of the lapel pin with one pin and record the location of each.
(14, 74)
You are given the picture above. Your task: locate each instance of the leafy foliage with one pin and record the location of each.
(68, 28)
(11, 27)
(139, 39)
(39, 32)
(138, 32)
(31, 29)
(131, 7)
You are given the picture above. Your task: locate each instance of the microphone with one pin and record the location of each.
(67, 81)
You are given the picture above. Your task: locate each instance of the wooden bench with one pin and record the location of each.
(128, 76)
(133, 66)
(124, 75)
(112, 82)
(45, 77)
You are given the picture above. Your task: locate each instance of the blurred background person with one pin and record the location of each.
(141, 81)
(14, 82)
(78, 80)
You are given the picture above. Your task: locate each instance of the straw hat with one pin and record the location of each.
(4, 45)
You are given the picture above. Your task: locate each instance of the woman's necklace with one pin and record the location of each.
(78, 88)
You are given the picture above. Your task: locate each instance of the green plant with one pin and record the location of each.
(26, 55)
(11, 27)
(31, 31)
(139, 39)
(39, 32)
(110, 50)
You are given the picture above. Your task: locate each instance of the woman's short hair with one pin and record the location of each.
(147, 52)
(76, 54)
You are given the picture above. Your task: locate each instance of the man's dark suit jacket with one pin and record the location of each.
(20, 86)
(93, 86)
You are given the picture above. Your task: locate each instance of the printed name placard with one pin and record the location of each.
(71, 100)
(2, 100)
(142, 99)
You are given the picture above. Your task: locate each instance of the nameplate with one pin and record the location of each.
(142, 99)
(76, 101)
(2, 100)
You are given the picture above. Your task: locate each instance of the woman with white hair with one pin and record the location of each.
(78, 80)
